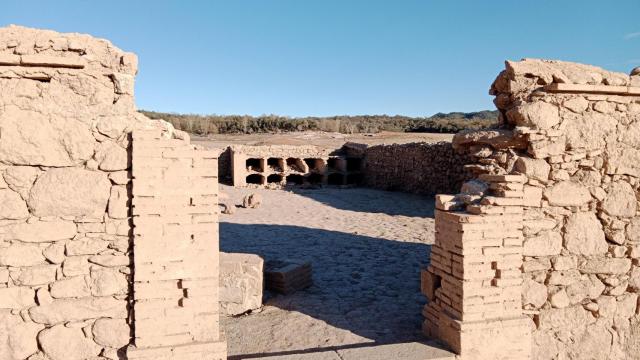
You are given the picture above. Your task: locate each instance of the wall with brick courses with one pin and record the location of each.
(474, 281)
(570, 133)
(421, 168)
(175, 250)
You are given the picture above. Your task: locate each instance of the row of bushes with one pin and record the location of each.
(234, 124)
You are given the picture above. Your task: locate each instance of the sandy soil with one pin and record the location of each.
(329, 140)
(366, 247)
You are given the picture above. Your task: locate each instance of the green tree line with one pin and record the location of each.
(245, 124)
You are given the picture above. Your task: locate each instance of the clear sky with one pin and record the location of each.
(330, 57)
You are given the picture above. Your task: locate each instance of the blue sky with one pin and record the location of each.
(297, 57)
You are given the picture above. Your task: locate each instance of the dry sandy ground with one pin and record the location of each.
(366, 247)
(323, 139)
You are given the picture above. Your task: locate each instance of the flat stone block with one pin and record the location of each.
(287, 276)
(241, 282)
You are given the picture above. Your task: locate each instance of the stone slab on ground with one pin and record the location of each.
(402, 351)
(241, 282)
(287, 276)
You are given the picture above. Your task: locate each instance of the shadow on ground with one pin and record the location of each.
(372, 201)
(368, 286)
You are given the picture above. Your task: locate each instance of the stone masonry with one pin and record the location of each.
(279, 165)
(67, 252)
(553, 212)
(421, 168)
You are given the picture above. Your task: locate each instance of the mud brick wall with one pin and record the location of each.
(421, 168)
(175, 246)
(474, 280)
(572, 131)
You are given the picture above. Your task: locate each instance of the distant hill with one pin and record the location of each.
(238, 124)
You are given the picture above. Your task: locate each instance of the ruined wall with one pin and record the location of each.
(421, 168)
(66, 256)
(175, 250)
(572, 131)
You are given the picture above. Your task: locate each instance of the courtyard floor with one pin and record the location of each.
(366, 248)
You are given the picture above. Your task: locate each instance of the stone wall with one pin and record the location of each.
(66, 256)
(571, 131)
(421, 168)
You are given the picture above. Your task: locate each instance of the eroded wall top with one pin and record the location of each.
(63, 98)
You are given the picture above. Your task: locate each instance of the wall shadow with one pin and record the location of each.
(372, 201)
(365, 285)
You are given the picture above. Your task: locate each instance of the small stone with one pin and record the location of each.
(62, 343)
(65, 310)
(559, 299)
(86, 246)
(605, 266)
(534, 293)
(118, 203)
(18, 338)
(567, 193)
(119, 177)
(621, 200)
(41, 231)
(43, 297)
(577, 105)
(110, 260)
(537, 115)
(75, 265)
(111, 157)
(19, 254)
(106, 282)
(564, 263)
(70, 191)
(114, 333)
(16, 298)
(537, 169)
(21, 178)
(13, 207)
(227, 207)
(36, 275)
(54, 252)
(73, 287)
(252, 201)
(584, 235)
(546, 243)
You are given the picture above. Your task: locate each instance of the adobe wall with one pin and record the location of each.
(558, 202)
(66, 233)
(421, 168)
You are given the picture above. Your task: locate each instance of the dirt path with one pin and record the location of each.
(366, 248)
